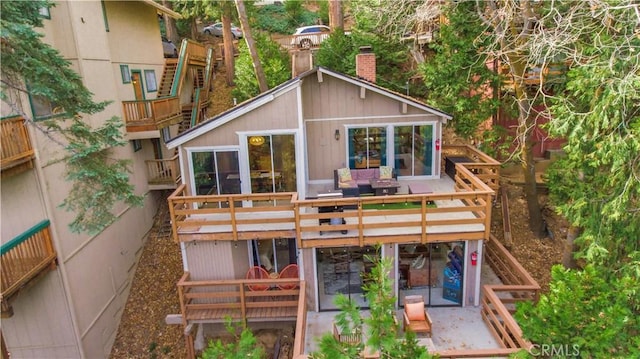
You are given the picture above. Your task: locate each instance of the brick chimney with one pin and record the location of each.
(366, 64)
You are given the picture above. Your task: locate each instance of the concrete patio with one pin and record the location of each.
(454, 328)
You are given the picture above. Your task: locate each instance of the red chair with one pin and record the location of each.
(257, 273)
(289, 272)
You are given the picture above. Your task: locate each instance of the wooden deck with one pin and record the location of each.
(462, 213)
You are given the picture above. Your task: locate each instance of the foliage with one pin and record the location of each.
(584, 308)
(242, 346)
(337, 53)
(275, 63)
(275, 18)
(456, 75)
(98, 181)
(382, 327)
(596, 186)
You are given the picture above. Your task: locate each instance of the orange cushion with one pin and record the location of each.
(415, 311)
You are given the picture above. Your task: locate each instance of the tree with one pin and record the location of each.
(170, 24)
(336, 16)
(31, 67)
(596, 186)
(242, 346)
(456, 75)
(382, 327)
(277, 67)
(248, 37)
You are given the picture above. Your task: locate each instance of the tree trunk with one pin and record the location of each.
(569, 248)
(170, 25)
(336, 17)
(227, 40)
(536, 222)
(194, 29)
(526, 122)
(257, 66)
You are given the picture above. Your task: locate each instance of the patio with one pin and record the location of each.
(454, 328)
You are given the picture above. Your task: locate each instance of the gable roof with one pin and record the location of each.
(268, 96)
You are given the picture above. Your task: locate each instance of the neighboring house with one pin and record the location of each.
(63, 293)
(258, 190)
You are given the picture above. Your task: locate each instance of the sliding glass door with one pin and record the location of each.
(434, 271)
(343, 270)
(367, 147)
(414, 149)
(215, 172)
(272, 163)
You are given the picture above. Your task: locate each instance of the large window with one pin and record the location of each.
(367, 147)
(274, 254)
(413, 150)
(272, 163)
(215, 172)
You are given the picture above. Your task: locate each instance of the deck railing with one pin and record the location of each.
(151, 114)
(481, 165)
(242, 300)
(24, 258)
(299, 218)
(16, 146)
(165, 172)
(499, 301)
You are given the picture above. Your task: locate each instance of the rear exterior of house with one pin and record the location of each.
(257, 178)
(63, 293)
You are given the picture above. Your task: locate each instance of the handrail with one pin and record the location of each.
(25, 256)
(299, 217)
(154, 112)
(482, 166)
(164, 171)
(16, 145)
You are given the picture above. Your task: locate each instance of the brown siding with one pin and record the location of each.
(217, 260)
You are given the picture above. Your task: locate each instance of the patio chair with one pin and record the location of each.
(257, 273)
(290, 271)
(416, 317)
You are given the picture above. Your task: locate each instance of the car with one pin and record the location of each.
(308, 36)
(216, 30)
(169, 49)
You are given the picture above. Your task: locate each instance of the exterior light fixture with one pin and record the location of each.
(256, 140)
(336, 135)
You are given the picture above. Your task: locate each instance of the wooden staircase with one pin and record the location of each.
(168, 76)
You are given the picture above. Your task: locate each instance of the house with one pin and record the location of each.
(63, 293)
(260, 189)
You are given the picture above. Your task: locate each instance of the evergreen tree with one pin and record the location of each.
(32, 67)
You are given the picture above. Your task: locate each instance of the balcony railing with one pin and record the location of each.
(254, 216)
(481, 165)
(24, 258)
(163, 172)
(215, 300)
(16, 150)
(149, 115)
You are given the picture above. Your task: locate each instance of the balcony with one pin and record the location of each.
(462, 210)
(17, 153)
(163, 174)
(151, 115)
(24, 259)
